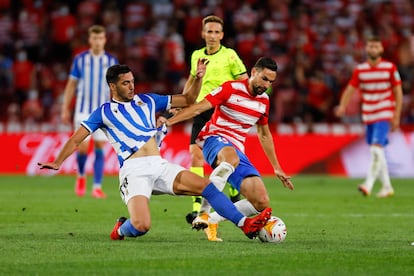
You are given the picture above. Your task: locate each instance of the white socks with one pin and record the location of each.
(378, 169)
(244, 206)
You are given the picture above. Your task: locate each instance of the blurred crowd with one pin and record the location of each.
(315, 43)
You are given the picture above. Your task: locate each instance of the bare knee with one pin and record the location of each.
(229, 155)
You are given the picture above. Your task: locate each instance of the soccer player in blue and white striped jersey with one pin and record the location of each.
(87, 80)
(130, 123)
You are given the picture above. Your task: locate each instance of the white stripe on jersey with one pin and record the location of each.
(375, 96)
(239, 116)
(380, 105)
(377, 116)
(375, 86)
(374, 75)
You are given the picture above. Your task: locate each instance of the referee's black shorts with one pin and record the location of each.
(198, 123)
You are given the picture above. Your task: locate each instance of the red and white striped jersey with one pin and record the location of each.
(236, 112)
(375, 84)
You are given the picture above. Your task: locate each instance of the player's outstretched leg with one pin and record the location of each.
(252, 226)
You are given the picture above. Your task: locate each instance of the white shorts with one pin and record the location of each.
(98, 135)
(150, 175)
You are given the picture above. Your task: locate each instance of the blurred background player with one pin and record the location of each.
(87, 80)
(381, 95)
(224, 65)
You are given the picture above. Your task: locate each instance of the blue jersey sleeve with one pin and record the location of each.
(75, 71)
(95, 120)
(162, 102)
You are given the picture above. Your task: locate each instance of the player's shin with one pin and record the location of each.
(220, 175)
(128, 230)
(98, 167)
(222, 204)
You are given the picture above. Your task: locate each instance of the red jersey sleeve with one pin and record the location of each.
(354, 81)
(220, 94)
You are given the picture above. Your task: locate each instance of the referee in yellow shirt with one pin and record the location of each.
(224, 64)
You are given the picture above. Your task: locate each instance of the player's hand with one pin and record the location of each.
(287, 183)
(339, 111)
(51, 166)
(395, 123)
(161, 120)
(201, 67)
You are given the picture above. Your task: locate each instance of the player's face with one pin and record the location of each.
(262, 80)
(124, 88)
(212, 34)
(374, 49)
(97, 41)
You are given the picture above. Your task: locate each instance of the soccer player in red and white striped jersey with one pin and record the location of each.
(239, 105)
(379, 84)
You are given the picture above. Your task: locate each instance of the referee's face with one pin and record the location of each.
(123, 89)
(213, 34)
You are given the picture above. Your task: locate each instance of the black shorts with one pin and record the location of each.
(198, 123)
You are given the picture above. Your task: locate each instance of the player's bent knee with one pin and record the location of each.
(141, 227)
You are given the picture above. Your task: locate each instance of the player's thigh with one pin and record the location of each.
(188, 183)
(197, 159)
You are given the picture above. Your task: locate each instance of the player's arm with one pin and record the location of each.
(266, 141)
(345, 99)
(398, 96)
(70, 146)
(68, 95)
(191, 90)
(242, 76)
(189, 112)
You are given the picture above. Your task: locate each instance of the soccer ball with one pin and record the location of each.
(274, 231)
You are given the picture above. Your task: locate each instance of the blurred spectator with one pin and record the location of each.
(63, 26)
(6, 32)
(318, 100)
(300, 35)
(136, 15)
(6, 83)
(24, 76)
(28, 31)
(174, 57)
(32, 111)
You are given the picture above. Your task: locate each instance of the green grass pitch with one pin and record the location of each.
(332, 230)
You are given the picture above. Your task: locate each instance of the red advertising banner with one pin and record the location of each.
(296, 153)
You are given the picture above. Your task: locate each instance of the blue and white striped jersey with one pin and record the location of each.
(129, 125)
(92, 90)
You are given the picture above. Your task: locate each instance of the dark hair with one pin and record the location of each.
(266, 62)
(112, 75)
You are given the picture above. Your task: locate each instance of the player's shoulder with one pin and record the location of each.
(386, 64)
(110, 55)
(81, 54)
(198, 53)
